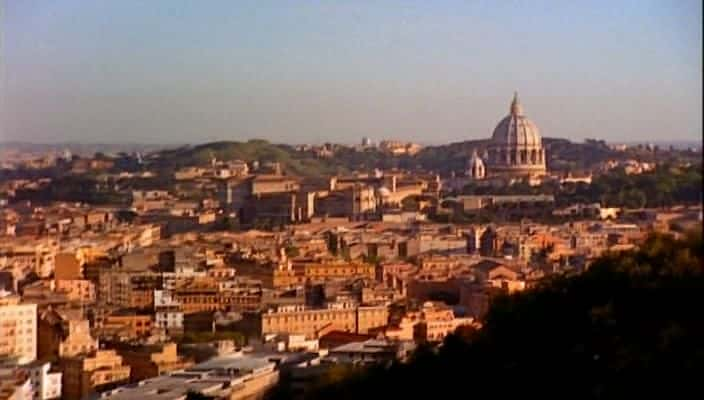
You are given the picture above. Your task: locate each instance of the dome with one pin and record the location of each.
(475, 161)
(515, 129)
(475, 167)
(516, 148)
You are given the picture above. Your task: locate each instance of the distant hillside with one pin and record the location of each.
(443, 159)
(295, 163)
(449, 157)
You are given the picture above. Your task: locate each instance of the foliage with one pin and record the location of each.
(663, 187)
(442, 159)
(69, 188)
(629, 327)
(292, 161)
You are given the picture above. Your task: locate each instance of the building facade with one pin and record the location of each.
(89, 374)
(18, 329)
(311, 322)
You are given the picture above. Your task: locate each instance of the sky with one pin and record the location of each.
(172, 71)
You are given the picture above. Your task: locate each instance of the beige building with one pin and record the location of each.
(346, 201)
(88, 374)
(319, 272)
(79, 340)
(128, 324)
(18, 329)
(150, 361)
(264, 184)
(432, 322)
(311, 322)
(79, 290)
(64, 335)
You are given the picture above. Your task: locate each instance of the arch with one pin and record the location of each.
(523, 157)
(534, 156)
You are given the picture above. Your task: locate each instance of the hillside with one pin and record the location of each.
(293, 162)
(443, 159)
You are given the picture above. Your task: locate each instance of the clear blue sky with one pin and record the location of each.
(307, 71)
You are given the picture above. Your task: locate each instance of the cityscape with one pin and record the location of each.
(512, 261)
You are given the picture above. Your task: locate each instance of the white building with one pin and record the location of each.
(46, 385)
(167, 311)
(18, 329)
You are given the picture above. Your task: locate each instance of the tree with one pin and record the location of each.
(628, 327)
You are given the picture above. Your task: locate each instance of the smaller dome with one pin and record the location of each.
(475, 160)
(475, 166)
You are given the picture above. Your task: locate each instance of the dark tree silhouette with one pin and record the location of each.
(628, 327)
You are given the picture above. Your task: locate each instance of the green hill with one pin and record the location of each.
(443, 159)
(294, 162)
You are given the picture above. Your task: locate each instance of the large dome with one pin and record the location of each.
(515, 129)
(516, 147)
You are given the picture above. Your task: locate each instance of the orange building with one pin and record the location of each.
(80, 290)
(133, 324)
(311, 322)
(317, 272)
(69, 265)
(432, 322)
(286, 276)
(198, 294)
(209, 294)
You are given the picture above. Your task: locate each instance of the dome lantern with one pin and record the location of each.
(516, 108)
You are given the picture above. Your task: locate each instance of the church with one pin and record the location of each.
(515, 150)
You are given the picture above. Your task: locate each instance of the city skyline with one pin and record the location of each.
(171, 72)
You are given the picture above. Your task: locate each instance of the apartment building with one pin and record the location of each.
(310, 322)
(45, 383)
(64, 335)
(87, 374)
(152, 360)
(18, 329)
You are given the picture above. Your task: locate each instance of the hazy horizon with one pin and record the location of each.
(177, 72)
